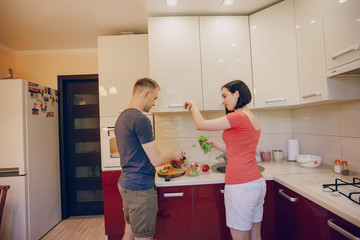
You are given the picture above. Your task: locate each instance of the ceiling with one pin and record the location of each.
(75, 24)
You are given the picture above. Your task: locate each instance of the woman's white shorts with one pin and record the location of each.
(244, 204)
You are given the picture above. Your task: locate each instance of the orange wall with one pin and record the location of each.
(7, 60)
(44, 68)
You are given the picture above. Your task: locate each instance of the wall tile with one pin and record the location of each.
(350, 119)
(176, 125)
(328, 147)
(350, 152)
(274, 141)
(186, 145)
(275, 121)
(322, 120)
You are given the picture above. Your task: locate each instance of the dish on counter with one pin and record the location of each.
(192, 169)
(308, 161)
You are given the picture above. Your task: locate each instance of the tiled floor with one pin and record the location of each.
(76, 228)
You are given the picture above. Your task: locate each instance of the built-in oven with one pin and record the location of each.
(110, 157)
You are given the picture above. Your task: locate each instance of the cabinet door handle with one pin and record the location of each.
(222, 190)
(270, 100)
(311, 95)
(345, 51)
(341, 230)
(291, 199)
(176, 105)
(180, 194)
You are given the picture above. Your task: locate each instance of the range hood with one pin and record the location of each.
(349, 69)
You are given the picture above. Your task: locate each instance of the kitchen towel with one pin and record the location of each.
(293, 149)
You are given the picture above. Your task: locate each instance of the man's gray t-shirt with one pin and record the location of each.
(132, 129)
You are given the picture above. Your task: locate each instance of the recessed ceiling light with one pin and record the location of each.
(171, 2)
(228, 2)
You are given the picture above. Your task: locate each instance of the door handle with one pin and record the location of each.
(345, 51)
(180, 194)
(311, 95)
(341, 230)
(291, 199)
(270, 100)
(176, 105)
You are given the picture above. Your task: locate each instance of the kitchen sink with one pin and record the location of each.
(220, 167)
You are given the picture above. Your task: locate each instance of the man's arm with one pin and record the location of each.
(157, 158)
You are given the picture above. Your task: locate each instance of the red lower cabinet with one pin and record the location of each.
(209, 212)
(268, 222)
(113, 207)
(316, 220)
(299, 218)
(175, 215)
(287, 213)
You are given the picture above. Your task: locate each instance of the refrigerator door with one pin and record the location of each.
(44, 200)
(12, 125)
(14, 221)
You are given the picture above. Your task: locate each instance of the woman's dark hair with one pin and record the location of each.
(244, 93)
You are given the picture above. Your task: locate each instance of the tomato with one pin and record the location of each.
(169, 167)
(205, 168)
(179, 162)
(194, 165)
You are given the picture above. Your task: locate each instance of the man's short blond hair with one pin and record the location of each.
(143, 83)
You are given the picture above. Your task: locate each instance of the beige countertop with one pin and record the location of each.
(297, 178)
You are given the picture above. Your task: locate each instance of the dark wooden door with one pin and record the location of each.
(81, 161)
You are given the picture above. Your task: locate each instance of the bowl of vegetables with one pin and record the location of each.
(192, 169)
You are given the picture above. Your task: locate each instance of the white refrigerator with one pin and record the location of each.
(29, 159)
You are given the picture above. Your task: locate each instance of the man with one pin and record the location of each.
(139, 156)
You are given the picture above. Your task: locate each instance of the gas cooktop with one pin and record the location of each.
(342, 192)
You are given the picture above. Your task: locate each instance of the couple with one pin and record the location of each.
(245, 186)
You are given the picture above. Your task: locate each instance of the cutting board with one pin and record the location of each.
(173, 173)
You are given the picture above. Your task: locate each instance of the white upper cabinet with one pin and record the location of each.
(121, 61)
(274, 56)
(342, 35)
(174, 58)
(225, 55)
(315, 86)
(311, 51)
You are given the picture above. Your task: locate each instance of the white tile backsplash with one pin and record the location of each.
(274, 141)
(323, 120)
(184, 144)
(275, 121)
(176, 125)
(331, 131)
(350, 148)
(350, 119)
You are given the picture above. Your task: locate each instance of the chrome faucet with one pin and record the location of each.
(223, 156)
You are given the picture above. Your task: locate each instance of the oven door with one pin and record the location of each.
(110, 157)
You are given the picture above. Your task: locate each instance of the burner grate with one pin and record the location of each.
(350, 190)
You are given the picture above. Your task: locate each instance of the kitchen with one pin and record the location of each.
(330, 130)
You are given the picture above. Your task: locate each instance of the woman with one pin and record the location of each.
(245, 186)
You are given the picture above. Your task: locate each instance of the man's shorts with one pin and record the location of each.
(244, 204)
(140, 210)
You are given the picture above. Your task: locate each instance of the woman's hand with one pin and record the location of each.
(178, 155)
(189, 104)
